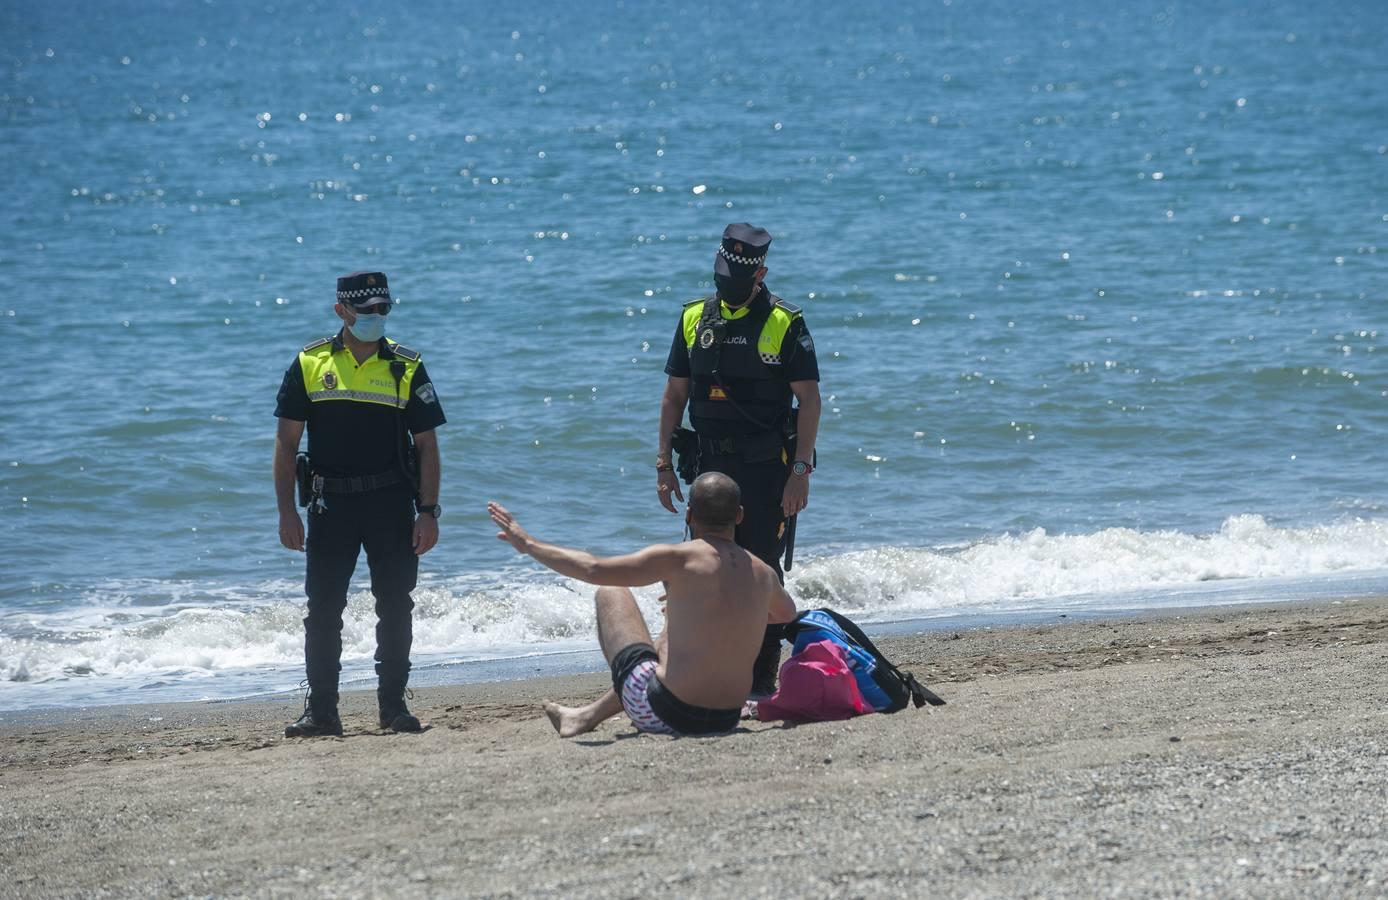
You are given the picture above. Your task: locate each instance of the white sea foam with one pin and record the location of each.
(125, 641)
(117, 637)
(1014, 573)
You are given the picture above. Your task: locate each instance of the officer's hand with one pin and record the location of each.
(667, 483)
(292, 530)
(796, 496)
(426, 534)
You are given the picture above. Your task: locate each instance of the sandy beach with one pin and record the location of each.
(1225, 752)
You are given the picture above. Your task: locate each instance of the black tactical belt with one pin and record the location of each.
(751, 447)
(359, 485)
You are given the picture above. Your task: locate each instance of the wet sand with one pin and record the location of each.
(1227, 752)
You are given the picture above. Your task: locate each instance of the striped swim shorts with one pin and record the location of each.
(633, 671)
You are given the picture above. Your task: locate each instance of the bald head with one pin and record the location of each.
(714, 500)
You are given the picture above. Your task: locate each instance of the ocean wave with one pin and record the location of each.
(1013, 573)
(117, 633)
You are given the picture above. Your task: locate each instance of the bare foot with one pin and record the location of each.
(567, 720)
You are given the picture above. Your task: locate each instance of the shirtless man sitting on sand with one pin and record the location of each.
(718, 601)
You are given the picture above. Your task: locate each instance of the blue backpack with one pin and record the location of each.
(882, 684)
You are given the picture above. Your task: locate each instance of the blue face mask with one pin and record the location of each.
(368, 328)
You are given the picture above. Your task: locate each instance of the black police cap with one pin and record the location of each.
(742, 251)
(363, 289)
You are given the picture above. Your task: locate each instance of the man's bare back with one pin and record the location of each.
(716, 610)
(719, 599)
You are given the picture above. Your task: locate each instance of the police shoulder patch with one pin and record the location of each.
(788, 307)
(404, 352)
(316, 344)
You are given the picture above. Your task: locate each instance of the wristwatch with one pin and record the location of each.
(801, 468)
(436, 510)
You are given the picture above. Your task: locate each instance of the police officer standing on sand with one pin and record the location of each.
(371, 479)
(737, 360)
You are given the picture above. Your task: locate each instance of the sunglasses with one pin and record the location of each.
(375, 309)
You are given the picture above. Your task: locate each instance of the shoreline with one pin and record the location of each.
(570, 659)
(1232, 751)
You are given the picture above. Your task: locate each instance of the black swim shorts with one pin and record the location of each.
(627, 659)
(686, 718)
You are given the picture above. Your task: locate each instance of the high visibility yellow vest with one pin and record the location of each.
(748, 383)
(331, 373)
(772, 333)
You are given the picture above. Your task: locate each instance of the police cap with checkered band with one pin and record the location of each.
(742, 251)
(363, 289)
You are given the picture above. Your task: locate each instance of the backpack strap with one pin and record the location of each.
(851, 629)
(920, 694)
(790, 630)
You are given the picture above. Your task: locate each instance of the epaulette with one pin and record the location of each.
(788, 307)
(404, 352)
(316, 344)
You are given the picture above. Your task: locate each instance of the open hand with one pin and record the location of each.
(511, 532)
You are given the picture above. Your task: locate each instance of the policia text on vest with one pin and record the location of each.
(737, 361)
(370, 411)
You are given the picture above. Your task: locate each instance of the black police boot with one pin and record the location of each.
(319, 719)
(767, 666)
(395, 715)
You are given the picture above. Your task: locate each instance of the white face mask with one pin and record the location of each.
(368, 328)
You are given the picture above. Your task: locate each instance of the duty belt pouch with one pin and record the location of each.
(685, 443)
(303, 474)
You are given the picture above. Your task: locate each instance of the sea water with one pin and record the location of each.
(1098, 293)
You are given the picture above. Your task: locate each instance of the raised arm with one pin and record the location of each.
(647, 566)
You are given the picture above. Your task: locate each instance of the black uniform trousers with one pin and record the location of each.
(382, 521)
(762, 530)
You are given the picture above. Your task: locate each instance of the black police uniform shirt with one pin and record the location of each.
(798, 363)
(348, 438)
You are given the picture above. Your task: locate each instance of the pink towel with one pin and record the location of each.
(816, 686)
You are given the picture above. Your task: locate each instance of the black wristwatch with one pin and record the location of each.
(436, 510)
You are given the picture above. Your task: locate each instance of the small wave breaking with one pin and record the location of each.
(114, 640)
(1016, 573)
